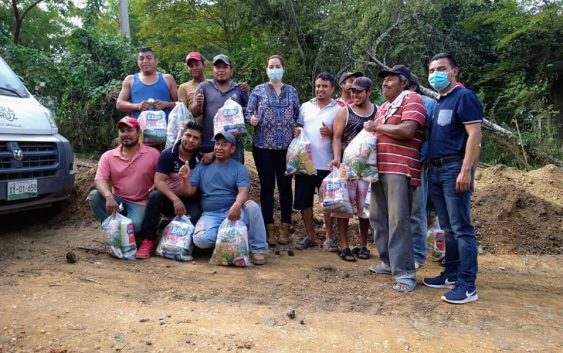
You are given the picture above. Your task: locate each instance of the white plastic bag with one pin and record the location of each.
(229, 118)
(360, 157)
(153, 125)
(231, 246)
(334, 192)
(299, 158)
(119, 236)
(367, 202)
(176, 240)
(177, 119)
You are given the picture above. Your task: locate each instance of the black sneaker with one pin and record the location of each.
(441, 281)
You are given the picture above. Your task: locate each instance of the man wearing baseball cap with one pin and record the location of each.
(209, 97)
(399, 127)
(124, 176)
(224, 186)
(195, 65)
(345, 83)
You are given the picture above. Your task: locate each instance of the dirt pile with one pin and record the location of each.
(519, 212)
(514, 211)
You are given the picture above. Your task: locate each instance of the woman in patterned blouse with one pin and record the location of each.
(273, 109)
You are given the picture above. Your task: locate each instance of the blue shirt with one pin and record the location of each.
(157, 91)
(213, 101)
(454, 110)
(277, 115)
(219, 183)
(429, 104)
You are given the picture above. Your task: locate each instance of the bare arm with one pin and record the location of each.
(123, 104)
(171, 83)
(403, 131)
(161, 185)
(196, 108)
(463, 181)
(337, 130)
(104, 189)
(242, 197)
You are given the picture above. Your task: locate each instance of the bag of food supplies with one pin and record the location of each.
(119, 236)
(298, 158)
(231, 247)
(360, 157)
(229, 118)
(334, 192)
(153, 126)
(177, 120)
(176, 239)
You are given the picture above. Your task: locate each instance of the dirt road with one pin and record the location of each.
(101, 304)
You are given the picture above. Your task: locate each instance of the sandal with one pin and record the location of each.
(305, 243)
(404, 287)
(330, 245)
(380, 268)
(361, 252)
(346, 255)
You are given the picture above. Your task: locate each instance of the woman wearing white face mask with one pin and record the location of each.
(273, 109)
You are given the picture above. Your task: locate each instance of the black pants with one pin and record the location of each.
(271, 165)
(159, 203)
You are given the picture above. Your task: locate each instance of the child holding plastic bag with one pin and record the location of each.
(299, 158)
(177, 119)
(231, 247)
(119, 236)
(360, 157)
(334, 192)
(230, 118)
(177, 239)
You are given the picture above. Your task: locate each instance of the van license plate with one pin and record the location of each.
(22, 189)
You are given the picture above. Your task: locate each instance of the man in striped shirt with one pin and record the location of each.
(399, 125)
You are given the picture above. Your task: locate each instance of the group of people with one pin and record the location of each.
(424, 147)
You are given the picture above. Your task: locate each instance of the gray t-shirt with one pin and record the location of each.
(213, 101)
(219, 183)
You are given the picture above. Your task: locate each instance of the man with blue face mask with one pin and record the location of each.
(453, 150)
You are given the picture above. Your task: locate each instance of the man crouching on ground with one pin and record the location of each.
(224, 186)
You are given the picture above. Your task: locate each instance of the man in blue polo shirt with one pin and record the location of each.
(210, 96)
(167, 198)
(453, 150)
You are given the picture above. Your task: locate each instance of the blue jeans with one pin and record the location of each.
(133, 211)
(205, 234)
(419, 218)
(453, 209)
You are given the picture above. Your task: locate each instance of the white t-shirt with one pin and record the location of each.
(311, 118)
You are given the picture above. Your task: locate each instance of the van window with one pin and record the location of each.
(10, 83)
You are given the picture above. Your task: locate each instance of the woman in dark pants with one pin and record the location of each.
(273, 109)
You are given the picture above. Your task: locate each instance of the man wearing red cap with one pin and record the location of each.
(124, 176)
(195, 65)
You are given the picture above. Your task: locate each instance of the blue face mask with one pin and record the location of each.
(439, 80)
(275, 74)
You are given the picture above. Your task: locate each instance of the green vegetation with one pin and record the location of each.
(504, 48)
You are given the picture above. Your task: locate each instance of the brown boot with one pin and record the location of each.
(270, 234)
(284, 234)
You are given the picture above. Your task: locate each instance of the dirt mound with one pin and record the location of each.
(514, 211)
(519, 212)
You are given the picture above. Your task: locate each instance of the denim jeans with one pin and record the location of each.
(158, 203)
(238, 155)
(133, 211)
(390, 211)
(271, 166)
(205, 234)
(453, 209)
(419, 218)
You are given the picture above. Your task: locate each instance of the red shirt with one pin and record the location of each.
(401, 156)
(130, 179)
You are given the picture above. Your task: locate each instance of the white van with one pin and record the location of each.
(36, 162)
